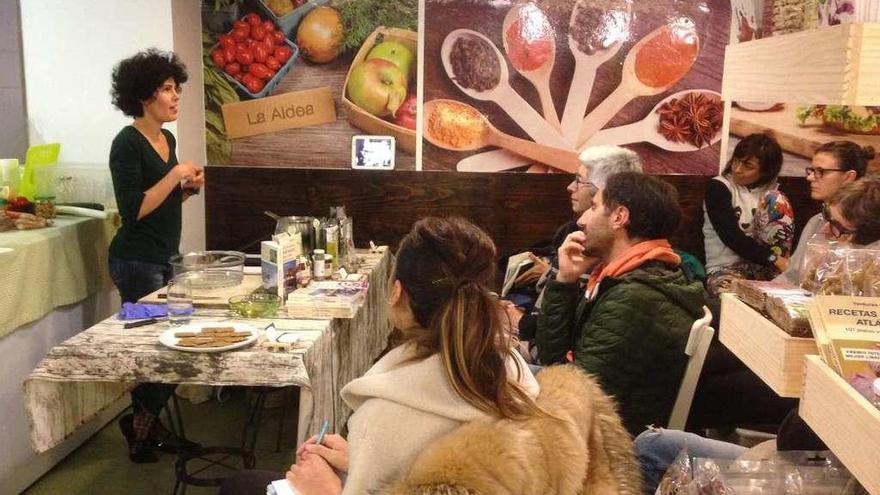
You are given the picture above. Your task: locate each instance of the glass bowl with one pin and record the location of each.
(209, 269)
(256, 305)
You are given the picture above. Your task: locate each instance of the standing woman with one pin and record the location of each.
(749, 223)
(149, 185)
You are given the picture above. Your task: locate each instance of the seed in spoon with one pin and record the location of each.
(530, 39)
(474, 63)
(455, 124)
(598, 27)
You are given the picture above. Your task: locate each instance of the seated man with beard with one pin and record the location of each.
(630, 325)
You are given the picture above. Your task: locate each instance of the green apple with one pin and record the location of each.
(394, 52)
(377, 86)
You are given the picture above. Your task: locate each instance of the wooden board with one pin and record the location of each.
(320, 146)
(844, 420)
(794, 138)
(775, 356)
(215, 298)
(835, 65)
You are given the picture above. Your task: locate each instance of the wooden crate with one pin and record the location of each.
(404, 138)
(844, 420)
(775, 356)
(829, 65)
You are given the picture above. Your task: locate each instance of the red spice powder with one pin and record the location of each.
(529, 41)
(667, 57)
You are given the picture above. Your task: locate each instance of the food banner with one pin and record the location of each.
(800, 129)
(507, 86)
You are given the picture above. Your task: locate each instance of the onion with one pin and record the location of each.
(319, 35)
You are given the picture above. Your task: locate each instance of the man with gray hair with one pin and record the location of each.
(598, 163)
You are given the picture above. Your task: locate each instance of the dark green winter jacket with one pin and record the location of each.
(631, 336)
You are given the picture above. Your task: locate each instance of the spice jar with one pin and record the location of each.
(318, 261)
(44, 207)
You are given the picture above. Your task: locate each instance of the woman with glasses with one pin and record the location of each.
(835, 164)
(749, 223)
(147, 182)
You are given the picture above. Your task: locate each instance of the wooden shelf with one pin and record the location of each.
(775, 356)
(844, 420)
(835, 65)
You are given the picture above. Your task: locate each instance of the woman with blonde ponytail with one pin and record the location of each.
(455, 364)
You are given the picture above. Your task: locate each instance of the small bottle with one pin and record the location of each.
(318, 264)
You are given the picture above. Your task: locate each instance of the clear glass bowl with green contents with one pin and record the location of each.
(256, 305)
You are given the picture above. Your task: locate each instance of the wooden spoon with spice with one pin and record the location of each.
(486, 78)
(457, 126)
(530, 43)
(652, 66)
(595, 34)
(689, 120)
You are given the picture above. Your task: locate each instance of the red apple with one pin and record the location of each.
(377, 86)
(406, 114)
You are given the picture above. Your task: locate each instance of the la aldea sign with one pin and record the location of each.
(284, 111)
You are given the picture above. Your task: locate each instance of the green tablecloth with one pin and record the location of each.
(43, 269)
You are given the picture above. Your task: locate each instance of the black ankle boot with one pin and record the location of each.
(139, 452)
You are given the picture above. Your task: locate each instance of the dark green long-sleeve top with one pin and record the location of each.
(135, 167)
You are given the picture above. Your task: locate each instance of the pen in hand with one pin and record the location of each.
(323, 431)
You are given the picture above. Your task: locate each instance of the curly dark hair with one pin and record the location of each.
(765, 149)
(135, 79)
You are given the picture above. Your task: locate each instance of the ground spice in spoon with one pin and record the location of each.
(474, 63)
(530, 39)
(668, 56)
(597, 27)
(455, 124)
(696, 118)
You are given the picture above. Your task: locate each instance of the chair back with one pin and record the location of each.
(696, 349)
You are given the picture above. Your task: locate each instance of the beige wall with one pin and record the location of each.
(13, 129)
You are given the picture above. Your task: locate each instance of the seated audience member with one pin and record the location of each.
(630, 326)
(597, 164)
(456, 368)
(749, 225)
(835, 164)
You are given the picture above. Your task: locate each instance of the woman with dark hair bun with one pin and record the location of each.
(749, 224)
(149, 185)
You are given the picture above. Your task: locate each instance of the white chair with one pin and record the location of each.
(697, 347)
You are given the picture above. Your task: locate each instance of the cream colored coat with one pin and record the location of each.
(402, 406)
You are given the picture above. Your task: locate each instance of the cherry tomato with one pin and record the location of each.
(239, 77)
(241, 24)
(268, 26)
(260, 71)
(260, 53)
(218, 58)
(240, 34)
(252, 84)
(226, 40)
(253, 19)
(278, 37)
(258, 33)
(269, 45)
(244, 57)
(283, 53)
(233, 69)
(272, 63)
(229, 54)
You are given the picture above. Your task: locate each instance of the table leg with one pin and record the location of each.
(306, 412)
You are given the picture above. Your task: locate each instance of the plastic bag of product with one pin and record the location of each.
(862, 272)
(678, 476)
(823, 267)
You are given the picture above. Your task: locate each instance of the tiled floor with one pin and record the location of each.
(101, 466)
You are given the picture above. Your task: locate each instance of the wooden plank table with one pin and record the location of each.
(89, 371)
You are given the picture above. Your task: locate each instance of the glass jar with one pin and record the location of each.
(44, 207)
(318, 260)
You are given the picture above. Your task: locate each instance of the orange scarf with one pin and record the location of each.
(632, 258)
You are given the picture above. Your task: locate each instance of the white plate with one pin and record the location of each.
(169, 340)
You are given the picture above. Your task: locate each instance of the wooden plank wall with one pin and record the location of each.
(516, 211)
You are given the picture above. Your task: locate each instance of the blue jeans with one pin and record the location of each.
(136, 279)
(657, 448)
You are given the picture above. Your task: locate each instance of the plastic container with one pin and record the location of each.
(271, 84)
(289, 22)
(209, 269)
(256, 305)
